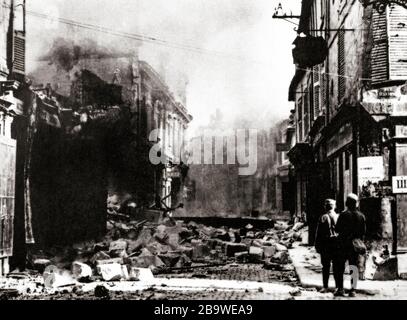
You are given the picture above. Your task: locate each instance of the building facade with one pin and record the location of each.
(350, 112)
(153, 118)
(12, 85)
(217, 188)
(72, 137)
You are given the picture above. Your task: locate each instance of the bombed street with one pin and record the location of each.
(143, 260)
(203, 150)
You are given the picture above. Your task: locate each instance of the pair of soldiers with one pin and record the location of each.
(339, 238)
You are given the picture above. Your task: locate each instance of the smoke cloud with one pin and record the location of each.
(248, 81)
(65, 53)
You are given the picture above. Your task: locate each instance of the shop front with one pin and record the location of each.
(389, 107)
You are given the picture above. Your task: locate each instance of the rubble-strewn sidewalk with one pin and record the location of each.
(307, 263)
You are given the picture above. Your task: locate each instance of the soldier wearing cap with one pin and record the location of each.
(351, 229)
(326, 243)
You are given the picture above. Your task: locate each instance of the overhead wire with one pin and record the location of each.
(166, 43)
(138, 37)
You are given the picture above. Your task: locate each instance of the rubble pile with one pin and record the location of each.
(136, 250)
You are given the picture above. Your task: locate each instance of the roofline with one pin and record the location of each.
(180, 107)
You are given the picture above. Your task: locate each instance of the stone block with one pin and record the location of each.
(111, 272)
(269, 251)
(232, 248)
(81, 270)
(200, 251)
(242, 257)
(146, 260)
(118, 248)
(256, 254)
(99, 256)
(279, 247)
(140, 274)
(281, 257)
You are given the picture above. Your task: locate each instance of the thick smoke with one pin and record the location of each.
(65, 54)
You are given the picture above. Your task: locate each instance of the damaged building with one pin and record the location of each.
(108, 103)
(76, 135)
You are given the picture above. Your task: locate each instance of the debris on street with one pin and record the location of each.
(141, 251)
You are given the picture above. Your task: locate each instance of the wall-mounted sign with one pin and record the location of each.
(370, 172)
(343, 137)
(401, 132)
(386, 101)
(387, 93)
(380, 5)
(400, 184)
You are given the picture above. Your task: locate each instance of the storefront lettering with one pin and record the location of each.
(341, 139)
(378, 108)
(386, 93)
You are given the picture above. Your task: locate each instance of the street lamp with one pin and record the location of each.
(380, 5)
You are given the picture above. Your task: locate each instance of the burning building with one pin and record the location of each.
(108, 102)
(80, 138)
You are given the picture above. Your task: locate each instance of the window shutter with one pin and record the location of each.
(19, 53)
(341, 66)
(300, 118)
(317, 91)
(324, 90)
(306, 114)
(397, 42)
(379, 55)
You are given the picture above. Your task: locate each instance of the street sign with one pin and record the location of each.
(400, 184)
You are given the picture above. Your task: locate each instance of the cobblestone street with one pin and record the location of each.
(259, 284)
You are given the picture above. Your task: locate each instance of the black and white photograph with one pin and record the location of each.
(219, 151)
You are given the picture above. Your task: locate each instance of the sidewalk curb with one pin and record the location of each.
(302, 273)
(310, 284)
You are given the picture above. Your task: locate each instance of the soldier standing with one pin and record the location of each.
(351, 229)
(326, 243)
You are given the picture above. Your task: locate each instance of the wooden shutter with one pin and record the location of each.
(7, 182)
(306, 113)
(341, 66)
(397, 42)
(324, 89)
(300, 118)
(317, 91)
(19, 53)
(379, 55)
